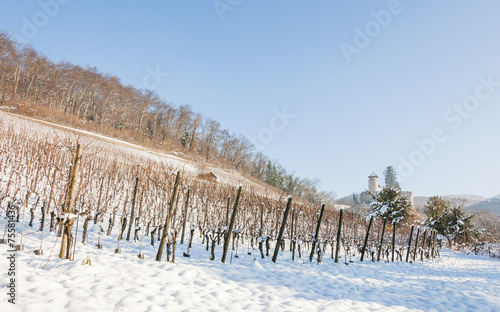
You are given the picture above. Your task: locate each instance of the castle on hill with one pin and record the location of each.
(374, 187)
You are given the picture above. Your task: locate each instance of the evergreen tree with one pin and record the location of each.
(390, 204)
(390, 178)
(184, 139)
(274, 175)
(435, 207)
(448, 220)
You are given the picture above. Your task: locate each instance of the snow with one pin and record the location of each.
(38, 127)
(70, 216)
(123, 282)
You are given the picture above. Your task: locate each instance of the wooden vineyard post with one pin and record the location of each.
(231, 225)
(292, 236)
(65, 251)
(261, 231)
(416, 245)
(409, 244)
(381, 240)
(393, 241)
(132, 212)
(338, 236)
(434, 237)
(99, 201)
(76, 232)
(184, 216)
(167, 220)
(227, 209)
(366, 239)
(282, 229)
(316, 234)
(423, 246)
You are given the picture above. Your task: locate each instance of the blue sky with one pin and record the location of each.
(389, 103)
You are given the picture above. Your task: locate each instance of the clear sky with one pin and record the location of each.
(413, 84)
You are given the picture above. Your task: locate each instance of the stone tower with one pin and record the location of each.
(373, 183)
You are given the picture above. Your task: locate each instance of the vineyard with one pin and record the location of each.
(133, 198)
(144, 233)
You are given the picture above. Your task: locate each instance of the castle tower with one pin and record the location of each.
(373, 183)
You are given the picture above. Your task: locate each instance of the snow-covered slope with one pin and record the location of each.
(123, 282)
(231, 177)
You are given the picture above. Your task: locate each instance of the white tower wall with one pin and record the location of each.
(373, 183)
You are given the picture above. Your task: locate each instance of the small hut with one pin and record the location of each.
(210, 177)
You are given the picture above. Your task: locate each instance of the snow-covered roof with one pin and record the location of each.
(373, 175)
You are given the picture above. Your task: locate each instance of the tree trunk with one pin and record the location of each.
(42, 220)
(52, 219)
(85, 227)
(3, 92)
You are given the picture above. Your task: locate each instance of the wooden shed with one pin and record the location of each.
(210, 176)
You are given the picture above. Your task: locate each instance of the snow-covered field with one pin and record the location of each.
(123, 282)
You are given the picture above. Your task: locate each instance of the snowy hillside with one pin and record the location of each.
(40, 127)
(102, 280)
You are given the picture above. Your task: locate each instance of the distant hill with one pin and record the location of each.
(470, 198)
(490, 204)
(420, 201)
(473, 202)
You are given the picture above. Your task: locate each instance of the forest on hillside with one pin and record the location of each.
(85, 98)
